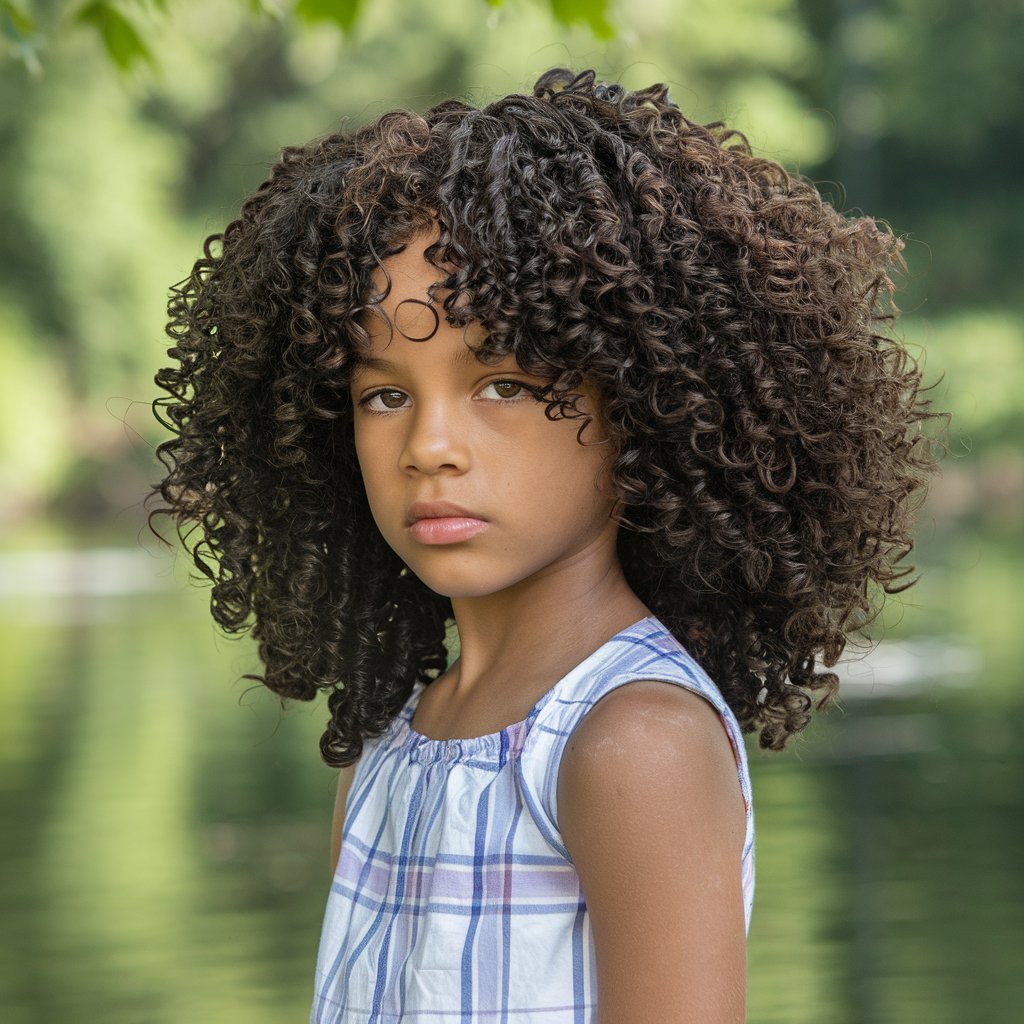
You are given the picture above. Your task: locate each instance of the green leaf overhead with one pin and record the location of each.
(593, 13)
(342, 12)
(122, 41)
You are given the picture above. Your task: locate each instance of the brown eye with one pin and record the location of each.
(517, 393)
(385, 397)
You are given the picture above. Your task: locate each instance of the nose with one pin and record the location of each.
(436, 438)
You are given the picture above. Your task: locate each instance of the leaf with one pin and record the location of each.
(17, 22)
(593, 12)
(19, 31)
(160, 5)
(268, 7)
(120, 37)
(342, 13)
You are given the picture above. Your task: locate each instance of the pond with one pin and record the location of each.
(165, 847)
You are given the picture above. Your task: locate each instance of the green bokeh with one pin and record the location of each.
(164, 847)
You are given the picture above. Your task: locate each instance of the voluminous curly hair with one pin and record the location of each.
(768, 433)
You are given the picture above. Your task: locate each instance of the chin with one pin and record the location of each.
(475, 577)
(453, 585)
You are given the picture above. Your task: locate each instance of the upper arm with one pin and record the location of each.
(345, 776)
(652, 813)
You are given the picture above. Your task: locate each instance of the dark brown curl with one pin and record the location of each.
(769, 428)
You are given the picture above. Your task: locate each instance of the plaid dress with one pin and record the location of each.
(454, 899)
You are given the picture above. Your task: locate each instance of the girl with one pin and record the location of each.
(607, 395)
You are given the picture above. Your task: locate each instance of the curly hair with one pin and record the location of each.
(768, 430)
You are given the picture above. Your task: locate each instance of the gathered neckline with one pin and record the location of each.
(492, 746)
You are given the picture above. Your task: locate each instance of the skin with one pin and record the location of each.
(651, 813)
(546, 569)
(649, 802)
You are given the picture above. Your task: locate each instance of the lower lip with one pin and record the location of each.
(447, 530)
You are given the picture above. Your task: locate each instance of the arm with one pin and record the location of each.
(651, 811)
(344, 783)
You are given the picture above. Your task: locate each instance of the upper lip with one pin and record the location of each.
(437, 510)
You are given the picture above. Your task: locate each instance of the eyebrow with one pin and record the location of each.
(362, 361)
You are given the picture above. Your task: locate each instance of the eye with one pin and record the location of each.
(384, 395)
(392, 400)
(519, 389)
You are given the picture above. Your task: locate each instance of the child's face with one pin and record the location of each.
(438, 425)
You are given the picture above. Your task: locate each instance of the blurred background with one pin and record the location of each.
(165, 826)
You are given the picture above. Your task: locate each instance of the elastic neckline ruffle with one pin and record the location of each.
(494, 747)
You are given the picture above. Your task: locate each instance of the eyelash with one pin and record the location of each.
(528, 393)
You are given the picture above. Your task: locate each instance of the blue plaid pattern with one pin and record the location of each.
(454, 900)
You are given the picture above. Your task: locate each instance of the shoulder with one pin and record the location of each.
(651, 810)
(657, 733)
(661, 738)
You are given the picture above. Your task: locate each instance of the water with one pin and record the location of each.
(165, 845)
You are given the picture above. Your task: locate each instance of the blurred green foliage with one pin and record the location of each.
(116, 23)
(115, 166)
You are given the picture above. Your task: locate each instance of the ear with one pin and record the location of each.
(603, 481)
(596, 431)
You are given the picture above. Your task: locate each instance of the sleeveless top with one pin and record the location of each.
(454, 899)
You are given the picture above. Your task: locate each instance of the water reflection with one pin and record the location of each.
(165, 847)
(888, 874)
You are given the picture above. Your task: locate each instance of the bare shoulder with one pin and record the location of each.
(649, 727)
(651, 811)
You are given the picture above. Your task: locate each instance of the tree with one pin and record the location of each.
(126, 40)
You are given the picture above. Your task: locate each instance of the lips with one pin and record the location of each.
(439, 510)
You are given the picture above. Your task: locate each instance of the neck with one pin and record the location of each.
(544, 625)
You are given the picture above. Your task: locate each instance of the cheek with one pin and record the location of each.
(566, 475)
(372, 463)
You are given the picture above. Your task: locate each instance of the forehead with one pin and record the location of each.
(411, 283)
(411, 314)
(385, 358)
